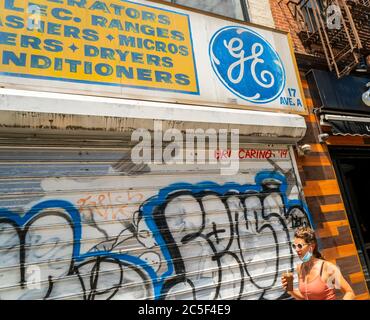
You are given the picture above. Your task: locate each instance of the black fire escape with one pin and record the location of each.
(335, 30)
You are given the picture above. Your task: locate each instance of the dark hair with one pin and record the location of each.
(308, 235)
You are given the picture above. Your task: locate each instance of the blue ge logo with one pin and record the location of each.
(247, 64)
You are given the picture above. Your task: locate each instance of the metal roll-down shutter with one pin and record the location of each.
(80, 220)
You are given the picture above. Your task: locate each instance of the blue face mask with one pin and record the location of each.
(307, 257)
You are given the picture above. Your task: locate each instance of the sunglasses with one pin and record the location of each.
(299, 246)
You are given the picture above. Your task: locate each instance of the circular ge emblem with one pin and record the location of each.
(247, 64)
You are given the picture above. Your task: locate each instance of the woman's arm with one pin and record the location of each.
(296, 294)
(346, 289)
(336, 276)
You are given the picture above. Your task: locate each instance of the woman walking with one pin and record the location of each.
(317, 278)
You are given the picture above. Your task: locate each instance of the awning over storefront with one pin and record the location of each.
(100, 114)
(346, 125)
(339, 96)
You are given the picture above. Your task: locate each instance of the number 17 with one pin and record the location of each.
(292, 92)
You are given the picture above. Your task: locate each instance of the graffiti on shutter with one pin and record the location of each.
(96, 233)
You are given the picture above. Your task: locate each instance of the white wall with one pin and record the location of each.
(260, 12)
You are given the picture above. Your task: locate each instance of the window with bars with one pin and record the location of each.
(236, 9)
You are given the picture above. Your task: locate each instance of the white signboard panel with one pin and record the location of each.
(148, 51)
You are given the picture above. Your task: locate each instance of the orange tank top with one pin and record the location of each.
(316, 289)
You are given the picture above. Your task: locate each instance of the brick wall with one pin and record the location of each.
(284, 20)
(325, 202)
(319, 180)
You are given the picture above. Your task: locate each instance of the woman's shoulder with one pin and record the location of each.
(330, 267)
(327, 264)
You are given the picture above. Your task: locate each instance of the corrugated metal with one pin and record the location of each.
(86, 223)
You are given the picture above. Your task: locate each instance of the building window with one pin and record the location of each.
(236, 9)
(308, 13)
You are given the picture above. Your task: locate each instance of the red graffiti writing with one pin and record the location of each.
(252, 154)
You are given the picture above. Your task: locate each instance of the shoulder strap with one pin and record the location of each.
(322, 266)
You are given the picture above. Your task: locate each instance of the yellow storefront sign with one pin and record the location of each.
(110, 42)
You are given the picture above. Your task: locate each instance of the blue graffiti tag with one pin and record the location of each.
(74, 218)
(155, 205)
(150, 211)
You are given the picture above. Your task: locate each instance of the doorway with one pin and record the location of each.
(352, 166)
